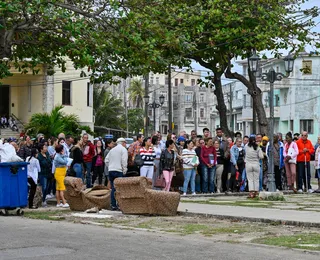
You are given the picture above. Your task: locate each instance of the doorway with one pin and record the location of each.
(4, 100)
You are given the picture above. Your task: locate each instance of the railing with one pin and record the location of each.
(17, 119)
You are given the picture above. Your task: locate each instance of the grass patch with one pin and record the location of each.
(309, 241)
(46, 215)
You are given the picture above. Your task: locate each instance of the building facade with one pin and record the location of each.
(25, 94)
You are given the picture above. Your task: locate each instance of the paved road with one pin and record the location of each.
(35, 239)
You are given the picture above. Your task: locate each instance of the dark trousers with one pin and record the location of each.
(112, 176)
(224, 176)
(97, 172)
(45, 186)
(32, 191)
(234, 184)
(277, 174)
(302, 168)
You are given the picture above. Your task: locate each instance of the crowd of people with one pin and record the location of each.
(186, 163)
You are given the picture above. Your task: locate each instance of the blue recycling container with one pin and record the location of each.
(13, 185)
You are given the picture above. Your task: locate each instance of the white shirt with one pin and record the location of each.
(33, 168)
(117, 159)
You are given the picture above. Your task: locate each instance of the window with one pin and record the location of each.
(164, 129)
(201, 98)
(306, 125)
(239, 126)
(188, 97)
(181, 81)
(89, 95)
(166, 79)
(291, 125)
(176, 82)
(150, 112)
(66, 93)
(193, 82)
(307, 67)
(188, 112)
(165, 94)
(239, 94)
(157, 80)
(201, 113)
(151, 80)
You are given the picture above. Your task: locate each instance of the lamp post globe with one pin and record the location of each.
(254, 63)
(288, 63)
(161, 99)
(146, 99)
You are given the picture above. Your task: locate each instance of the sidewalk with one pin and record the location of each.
(267, 215)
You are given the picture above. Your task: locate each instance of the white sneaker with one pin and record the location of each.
(300, 191)
(184, 194)
(65, 205)
(194, 193)
(44, 204)
(59, 205)
(218, 191)
(310, 191)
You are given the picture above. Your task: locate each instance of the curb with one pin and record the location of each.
(252, 219)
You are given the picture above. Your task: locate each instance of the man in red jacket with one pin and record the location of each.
(88, 153)
(303, 162)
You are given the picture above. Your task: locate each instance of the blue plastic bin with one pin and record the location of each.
(13, 185)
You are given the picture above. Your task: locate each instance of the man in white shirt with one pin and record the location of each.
(117, 161)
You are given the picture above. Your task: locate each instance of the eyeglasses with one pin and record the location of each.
(304, 135)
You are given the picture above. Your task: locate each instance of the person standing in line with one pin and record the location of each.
(198, 145)
(109, 145)
(166, 165)
(44, 175)
(25, 150)
(190, 163)
(98, 163)
(68, 144)
(290, 153)
(220, 164)
(60, 162)
(77, 156)
(33, 172)
(147, 155)
(206, 133)
(305, 151)
(156, 146)
(133, 150)
(88, 153)
(253, 155)
(117, 162)
(209, 158)
(277, 159)
(237, 165)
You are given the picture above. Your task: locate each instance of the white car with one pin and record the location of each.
(129, 141)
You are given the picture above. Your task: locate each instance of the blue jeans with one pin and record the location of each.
(189, 175)
(45, 187)
(112, 176)
(88, 174)
(208, 177)
(77, 167)
(261, 176)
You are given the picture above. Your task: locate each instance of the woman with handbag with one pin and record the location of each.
(290, 153)
(98, 163)
(157, 149)
(166, 165)
(190, 163)
(147, 155)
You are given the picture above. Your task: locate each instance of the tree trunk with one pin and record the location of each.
(255, 92)
(221, 106)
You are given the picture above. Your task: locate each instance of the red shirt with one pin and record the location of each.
(205, 151)
(88, 152)
(301, 145)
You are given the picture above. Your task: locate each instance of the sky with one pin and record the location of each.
(237, 68)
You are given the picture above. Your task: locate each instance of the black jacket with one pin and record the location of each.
(166, 160)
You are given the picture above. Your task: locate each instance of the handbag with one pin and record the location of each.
(160, 182)
(138, 160)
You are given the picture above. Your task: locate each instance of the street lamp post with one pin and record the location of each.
(271, 76)
(154, 105)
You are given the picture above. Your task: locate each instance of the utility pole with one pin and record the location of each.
(195, 111)
(170, 98)
(230, 108)
(125, 105)
(146, 94)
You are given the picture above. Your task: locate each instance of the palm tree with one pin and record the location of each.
(108, 110)
(55, 122)
(136, 93)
